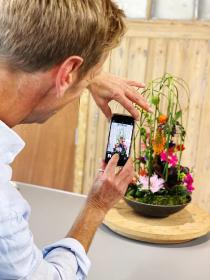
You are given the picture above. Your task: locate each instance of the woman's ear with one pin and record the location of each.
(67, 70)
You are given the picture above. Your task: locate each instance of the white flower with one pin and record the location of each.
(155, 183)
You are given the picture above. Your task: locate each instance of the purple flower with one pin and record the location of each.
(155, 183)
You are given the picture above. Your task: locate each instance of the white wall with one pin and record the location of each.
(204, 9)
(133, 8)
(166, 9)
(174, 9)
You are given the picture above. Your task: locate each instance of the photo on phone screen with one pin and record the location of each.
(120, 138)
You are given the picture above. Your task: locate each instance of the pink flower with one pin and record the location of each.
(188, 180)
(155, 183)
(169, 157)
(144, 180)
(163, 156)
(173, 160)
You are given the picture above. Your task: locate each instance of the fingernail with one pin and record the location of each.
(109, 118)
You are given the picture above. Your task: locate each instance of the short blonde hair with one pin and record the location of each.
(35, 35)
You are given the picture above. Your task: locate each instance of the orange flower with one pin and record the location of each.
(180, 147)
(159, 142)
(162, 119)
(143, 172)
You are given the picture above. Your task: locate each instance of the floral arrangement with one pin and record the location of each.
(160, 178)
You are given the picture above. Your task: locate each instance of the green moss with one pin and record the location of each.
(177, 196)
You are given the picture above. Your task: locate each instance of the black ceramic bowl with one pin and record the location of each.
(158, 211)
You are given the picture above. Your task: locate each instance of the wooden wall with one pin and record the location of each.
(148, 51)
(48, 158)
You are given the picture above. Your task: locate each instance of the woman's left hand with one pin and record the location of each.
(107, 87)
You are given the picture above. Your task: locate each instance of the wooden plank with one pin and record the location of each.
(102, 130)
(157, 53)
(196, 68)
(187, 59)
(81, 139)
(137, 59)
(48, 158)
(90, 148)
(118, 67)
(202, 168)
(101, 135)
(156, 65)
(119, 59)
(169, 29)
(178, 59)
(136, 69)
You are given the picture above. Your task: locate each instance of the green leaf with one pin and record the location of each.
(178, 115)
(143, 131)
(155, 100)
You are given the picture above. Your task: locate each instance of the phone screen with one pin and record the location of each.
(120, 138)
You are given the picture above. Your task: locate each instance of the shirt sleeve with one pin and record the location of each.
(21, 259)
(72, 246)
(65, 259)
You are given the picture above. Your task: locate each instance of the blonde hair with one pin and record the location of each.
(35, 35)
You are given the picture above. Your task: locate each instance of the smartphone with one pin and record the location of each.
(120, 138)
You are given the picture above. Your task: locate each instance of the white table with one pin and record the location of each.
(114, 257)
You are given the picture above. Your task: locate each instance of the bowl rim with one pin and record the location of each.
(163, 206)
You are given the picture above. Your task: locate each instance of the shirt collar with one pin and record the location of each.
(10, 144)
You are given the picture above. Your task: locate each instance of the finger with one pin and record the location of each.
(103, 165)
(112, 164)
(103, 105)
(126, 176)
(127, 81)
(124, 186)
(106, 110)
(127, 171)
(128, 105)
(135, 83)
(137, 99)
(135, 92)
